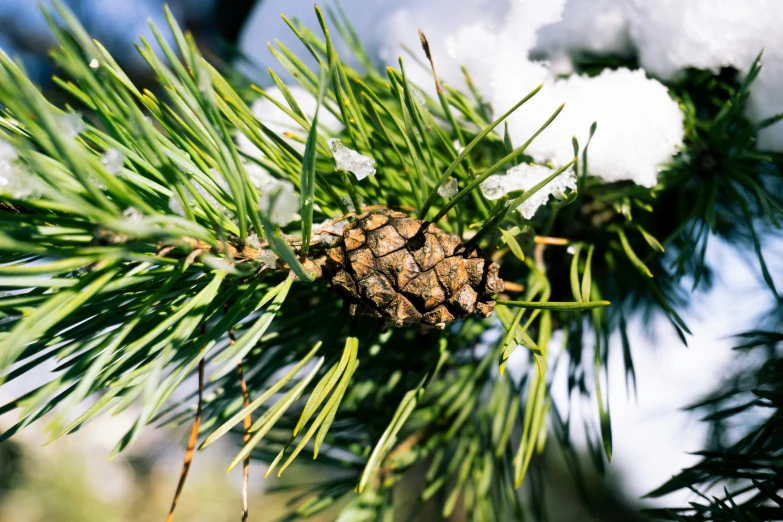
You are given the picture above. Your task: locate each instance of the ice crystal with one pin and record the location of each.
(349, 160)
(448, 189)
(14, 179)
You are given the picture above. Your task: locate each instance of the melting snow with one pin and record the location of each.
(349, 160)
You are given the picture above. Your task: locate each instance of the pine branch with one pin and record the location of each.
(140, 243)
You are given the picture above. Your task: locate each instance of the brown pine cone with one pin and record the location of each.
(389, 265)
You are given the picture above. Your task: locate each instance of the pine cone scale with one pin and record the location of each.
(408, 272)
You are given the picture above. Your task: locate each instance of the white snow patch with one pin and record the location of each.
(448, 189)
(279, 122)
(525, 177)
(133, 215)
(8, 153)
(349, 160)
(671, 36)
(639, 125)
(176, 206)
(268, 258)
(14, 179)
(253, 241)
(279, 202)
(72, 124)
(113, 161)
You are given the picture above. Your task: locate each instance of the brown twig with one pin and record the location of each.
(245, 439)
(387, 468)
(538, 255)
(248, 421)
(511, 286)
(546, 240)
(191, 442)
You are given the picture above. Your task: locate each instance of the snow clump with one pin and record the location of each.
(349, 160)
(525, 177)
(278, 200)
(113, 161)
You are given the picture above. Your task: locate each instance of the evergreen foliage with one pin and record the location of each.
(133, 279)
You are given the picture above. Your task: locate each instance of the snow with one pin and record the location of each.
(253, 241)
(72, 124)
(639, 126)
(133, 215)
(113, 161)
(349, 160)
(279, 122)
(496, 40)
(525, 177)
(258, 176)
(279, 202)
(8, 154)
(588, 27)
(671, 36)
(267, 257)
(448, 189)
(176, 206)
(14, 179)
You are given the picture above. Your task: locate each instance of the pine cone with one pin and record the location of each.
(389, 265)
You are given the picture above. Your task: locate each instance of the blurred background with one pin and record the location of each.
(72, 480)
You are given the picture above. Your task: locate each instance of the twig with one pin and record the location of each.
(248, 421)
(387, 469)
(511, 286)
(546, 240)
(191, 442)
(538, 255)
